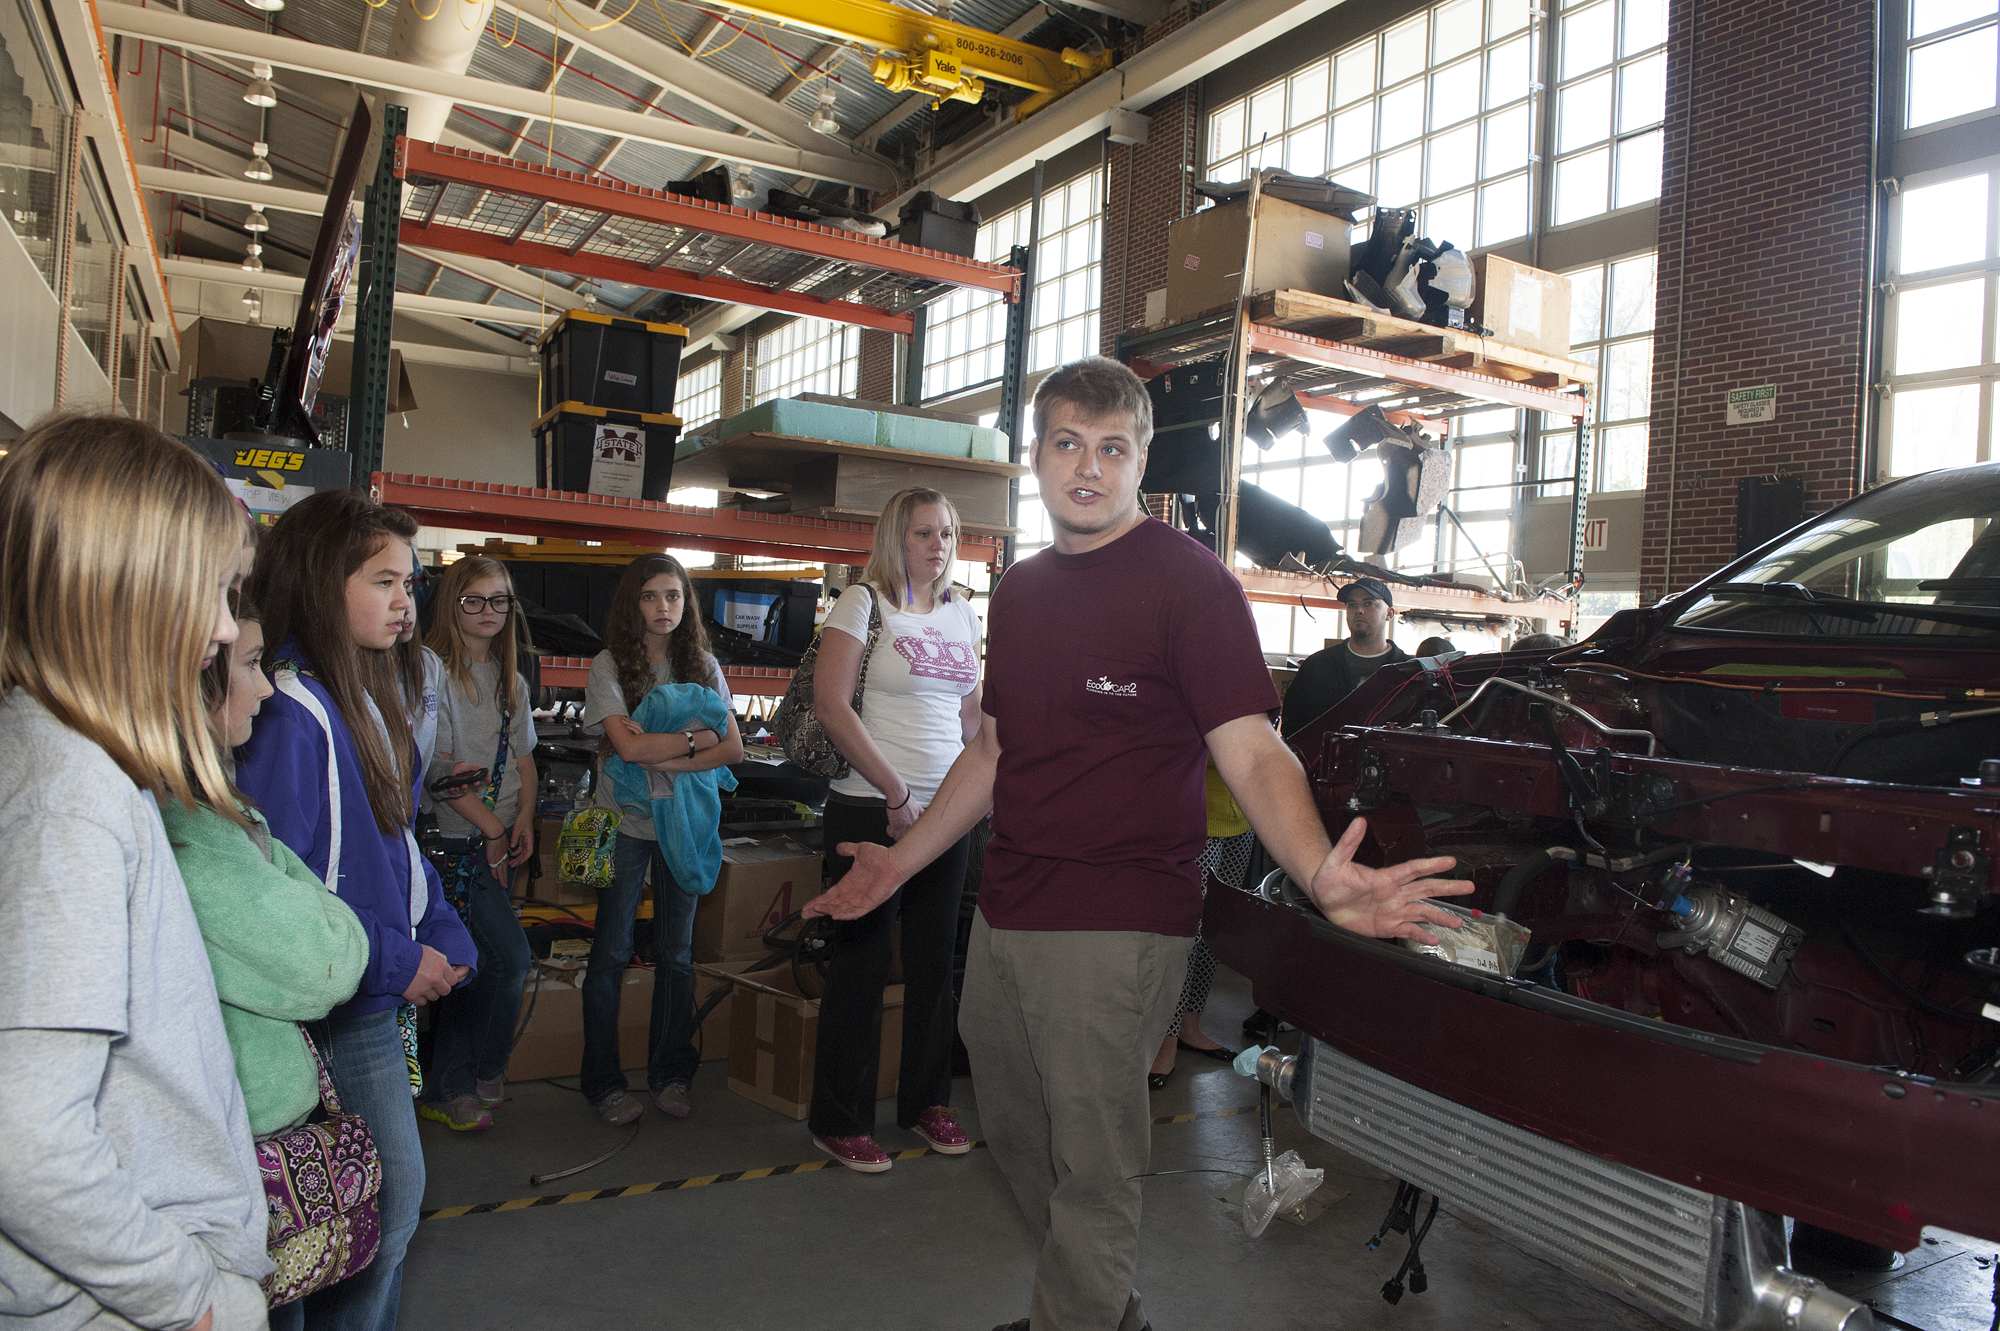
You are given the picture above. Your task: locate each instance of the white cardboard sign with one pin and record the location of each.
(618, 462)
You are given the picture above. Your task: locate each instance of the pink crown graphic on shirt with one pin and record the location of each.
(935, 657)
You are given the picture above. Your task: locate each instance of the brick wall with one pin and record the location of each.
(1762, 267)
(1148, 186)
(876, 375)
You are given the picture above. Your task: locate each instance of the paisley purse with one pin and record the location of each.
(320, 1185)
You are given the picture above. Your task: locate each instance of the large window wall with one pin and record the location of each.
(1939, 359)
(1530, 128)
(1434, 111)
(698, 395)
(964, 342)
(809, 356)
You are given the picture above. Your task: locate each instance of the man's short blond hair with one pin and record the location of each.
(1098, 387)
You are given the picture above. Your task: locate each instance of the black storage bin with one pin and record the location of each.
(592, 450)
(940, 224)
(606, 361)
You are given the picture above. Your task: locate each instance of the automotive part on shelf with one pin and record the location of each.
(1741, 935)
(1717, 1264)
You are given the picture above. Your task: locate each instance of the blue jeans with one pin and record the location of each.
(670, 1040)
(474, 1025)
(364, 1056)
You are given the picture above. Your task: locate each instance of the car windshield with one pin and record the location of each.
(1919, 558)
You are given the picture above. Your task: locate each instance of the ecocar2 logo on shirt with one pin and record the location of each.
(1103, 687)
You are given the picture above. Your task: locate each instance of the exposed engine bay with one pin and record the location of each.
(1734, 924)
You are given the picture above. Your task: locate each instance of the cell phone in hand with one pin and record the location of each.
(454, 784)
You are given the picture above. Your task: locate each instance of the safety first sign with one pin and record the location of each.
(1752, 406)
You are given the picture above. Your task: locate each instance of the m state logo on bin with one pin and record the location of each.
(618, 462)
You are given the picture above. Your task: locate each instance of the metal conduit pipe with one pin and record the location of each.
(444, 42)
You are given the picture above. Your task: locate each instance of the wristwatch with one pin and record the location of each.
(690, 740)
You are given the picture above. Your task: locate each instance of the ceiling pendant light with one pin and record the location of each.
(256, 221)
(251, 262)
(253, 301)
(741, 188)
(260, 92)
(823, 121)
(260, 162)
(268, 6)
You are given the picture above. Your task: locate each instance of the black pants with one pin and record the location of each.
(850, 1016)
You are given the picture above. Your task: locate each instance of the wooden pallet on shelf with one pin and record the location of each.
(1358, 325)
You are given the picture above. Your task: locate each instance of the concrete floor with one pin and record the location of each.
(936, 1244)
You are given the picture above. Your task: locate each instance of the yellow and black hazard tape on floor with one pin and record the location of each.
(739, 1176)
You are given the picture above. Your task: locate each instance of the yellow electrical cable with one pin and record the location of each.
(600, 27)
(422, 15)
(699, 55)
(515, 39)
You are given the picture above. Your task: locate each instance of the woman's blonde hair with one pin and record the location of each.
(887, 573)
(114, 544)
(448, 640)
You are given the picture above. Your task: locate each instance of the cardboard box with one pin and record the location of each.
(1297, 249)
(1525, 307)
(552, 1046)
(763, 880)
(774, 1031)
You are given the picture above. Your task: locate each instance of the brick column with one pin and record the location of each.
(877, 378)
(1149, 186)
(1762, 267)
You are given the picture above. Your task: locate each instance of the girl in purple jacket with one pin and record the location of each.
(332, 764)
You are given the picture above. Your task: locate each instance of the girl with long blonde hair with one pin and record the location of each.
(919, 643)
(484, 719)
(134, 1197)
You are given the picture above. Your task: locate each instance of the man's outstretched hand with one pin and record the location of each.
(871, 880)
(1382, 903)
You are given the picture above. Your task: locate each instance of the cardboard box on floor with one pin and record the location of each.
(552, 1046)
(774, 1031)
(763, 880)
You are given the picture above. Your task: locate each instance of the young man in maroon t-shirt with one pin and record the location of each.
(1117, 662)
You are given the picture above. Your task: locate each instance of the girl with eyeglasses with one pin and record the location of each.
(484, 720)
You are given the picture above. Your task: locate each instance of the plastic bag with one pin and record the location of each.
(1287, 1183)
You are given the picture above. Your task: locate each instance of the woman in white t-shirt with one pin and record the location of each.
(919, 708)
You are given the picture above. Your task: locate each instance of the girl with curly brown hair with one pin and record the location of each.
(654, 636)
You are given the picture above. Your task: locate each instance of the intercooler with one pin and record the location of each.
(1693, 1256)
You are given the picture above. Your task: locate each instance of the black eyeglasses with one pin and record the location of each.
(472, 605)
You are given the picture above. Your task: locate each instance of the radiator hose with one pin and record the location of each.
(1507, 897)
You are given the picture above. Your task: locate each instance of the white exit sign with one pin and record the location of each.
(1596, 534)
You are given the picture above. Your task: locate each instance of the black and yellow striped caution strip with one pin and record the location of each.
(740, 1175)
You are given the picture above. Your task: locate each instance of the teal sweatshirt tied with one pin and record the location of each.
(688, 821)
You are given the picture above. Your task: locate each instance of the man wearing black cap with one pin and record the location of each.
(1331, 674)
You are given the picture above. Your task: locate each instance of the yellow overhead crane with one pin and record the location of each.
(943, 60)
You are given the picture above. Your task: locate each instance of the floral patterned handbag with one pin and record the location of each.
(320, 1185)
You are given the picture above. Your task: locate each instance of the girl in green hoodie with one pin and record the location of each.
(284, 949)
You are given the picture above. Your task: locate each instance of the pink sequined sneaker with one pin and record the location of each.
(939, 1126)
(860, 1154)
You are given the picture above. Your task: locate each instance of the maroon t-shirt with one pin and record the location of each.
(1103, 673)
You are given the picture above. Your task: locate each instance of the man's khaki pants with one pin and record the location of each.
(1062, 1027)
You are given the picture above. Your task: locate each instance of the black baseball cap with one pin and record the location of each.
(1375, 587)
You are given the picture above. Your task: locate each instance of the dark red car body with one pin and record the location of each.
(1861, 1092)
